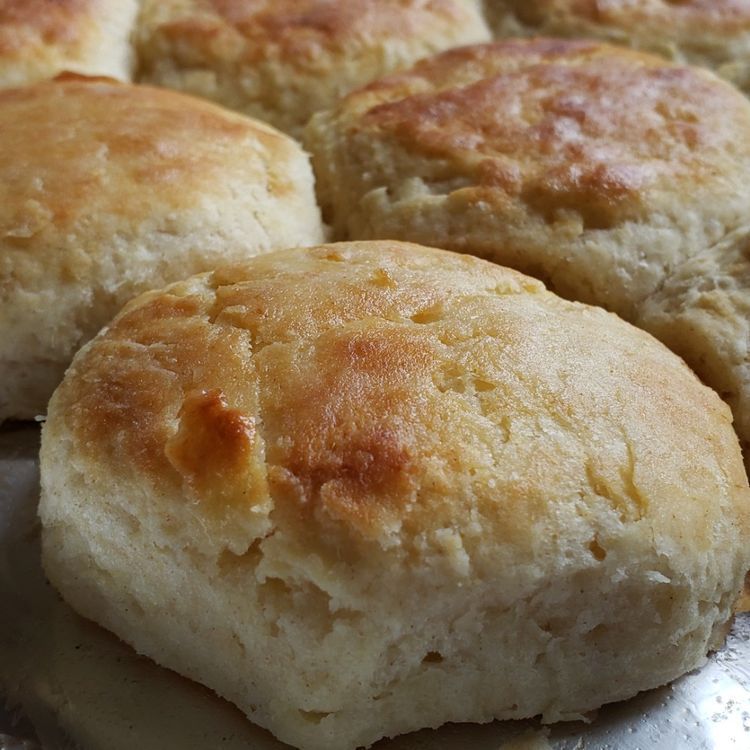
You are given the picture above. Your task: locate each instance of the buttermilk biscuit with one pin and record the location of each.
(107, 190)
(702, 312)
(371, 487)
(282, 60)
(595, 168)
(711, 33)
(41, 38)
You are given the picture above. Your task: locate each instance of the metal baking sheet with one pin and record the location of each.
(67, 683)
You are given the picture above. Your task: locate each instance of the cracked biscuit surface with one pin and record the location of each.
(107, 190)
(594, 168)
(365, 488)
(283, 60)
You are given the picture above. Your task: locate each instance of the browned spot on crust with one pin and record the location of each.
(102, 148)
(560, 124)
(352, 479)
(342, 422)
(160, 310)
(71, 77)
(158, 349)
(125, 409)
(212, 449)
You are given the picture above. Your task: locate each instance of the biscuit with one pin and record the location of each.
(702, 312)
(594, 168)
(712, 33)
(366, 488)
(41, 38)
(107, 190)
(282, 60)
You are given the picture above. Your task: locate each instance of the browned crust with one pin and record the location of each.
(78, 138)
(212, 442)
(297, 31)
(380, 385)
(560, 125)
(726, 16)
(48, 22)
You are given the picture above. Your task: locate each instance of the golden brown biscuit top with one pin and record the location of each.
(728, 16)
(25, 23)
(294, 30)
(560, 124)
(382, 391)
(77, 146)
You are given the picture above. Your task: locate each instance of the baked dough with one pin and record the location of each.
(594, 168)
(365, 488)
(107, 190)
(702, 312)
(282, 60)
(41, 38)
(711, 33)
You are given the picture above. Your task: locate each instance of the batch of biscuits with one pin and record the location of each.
(398, 350)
